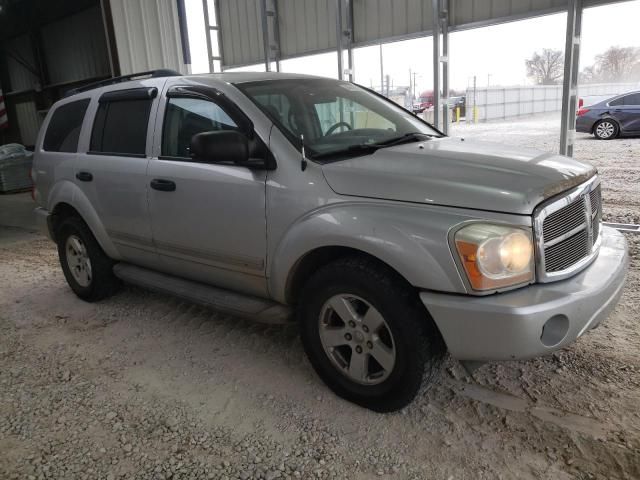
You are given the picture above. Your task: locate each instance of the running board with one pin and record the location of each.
(252, 308)
(624, 227)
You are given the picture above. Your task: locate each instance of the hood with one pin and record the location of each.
(459, 173)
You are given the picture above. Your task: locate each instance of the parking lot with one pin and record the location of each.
(145, 386)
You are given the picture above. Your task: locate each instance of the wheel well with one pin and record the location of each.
(312, 261)
(59, 213)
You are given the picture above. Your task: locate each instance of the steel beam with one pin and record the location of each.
(570, 79)
(444, 61)
(265, 35)
(436, 62)
(339, 38)
(349, 33)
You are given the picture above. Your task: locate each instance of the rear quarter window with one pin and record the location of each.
(64, 127)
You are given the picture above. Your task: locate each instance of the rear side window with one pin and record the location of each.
(120, 126)
(64, 127)
(632, 99)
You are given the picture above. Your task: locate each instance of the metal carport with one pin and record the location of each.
(254, 31)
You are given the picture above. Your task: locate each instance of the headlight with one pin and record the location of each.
(495, 256)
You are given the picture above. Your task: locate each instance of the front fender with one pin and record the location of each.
(65, 191)
(412, 239)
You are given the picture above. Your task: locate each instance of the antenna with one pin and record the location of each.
(303, 163)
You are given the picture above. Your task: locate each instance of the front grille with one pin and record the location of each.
(567, 231)
(596, 211)
(564, 220)
(562, 255)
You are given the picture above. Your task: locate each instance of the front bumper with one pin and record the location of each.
(534, 320)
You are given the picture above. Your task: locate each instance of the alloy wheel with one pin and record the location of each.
(78, 260)
(605, 129)
(357, 339)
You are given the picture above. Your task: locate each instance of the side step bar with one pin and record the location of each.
(252, 308)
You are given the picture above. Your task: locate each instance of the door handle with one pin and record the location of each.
(163, 185)
(617, 110)
(84, 176)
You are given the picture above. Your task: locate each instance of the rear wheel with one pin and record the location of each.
(606, 129)
(367, 335)
(87, 269)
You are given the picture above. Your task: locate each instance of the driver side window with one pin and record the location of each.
(186, 117)
(344, 110)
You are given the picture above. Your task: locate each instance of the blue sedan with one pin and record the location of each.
(617, 116)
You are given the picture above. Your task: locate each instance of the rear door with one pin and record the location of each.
(112, 170)
(208, 220)
(626, 110)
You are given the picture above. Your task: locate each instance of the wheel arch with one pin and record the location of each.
(308, 264)
(67, 199)
(405, 239)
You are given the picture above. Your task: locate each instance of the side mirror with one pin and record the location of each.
(220, 146)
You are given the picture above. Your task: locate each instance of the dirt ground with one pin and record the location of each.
(146, 386)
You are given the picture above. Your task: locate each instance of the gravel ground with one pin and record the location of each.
(144, 386)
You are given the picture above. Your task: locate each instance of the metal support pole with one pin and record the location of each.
(265, 35)
(350, 40)
(339, 38)
(570, 80)
(276, 34)
(381, 72)
(444, 22)
(436, 63)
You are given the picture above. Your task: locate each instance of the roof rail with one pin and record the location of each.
(163, 72)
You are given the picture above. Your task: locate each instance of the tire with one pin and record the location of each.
(407, 334)
(606, 129)
(88, 270)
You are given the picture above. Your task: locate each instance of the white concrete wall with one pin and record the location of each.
(506, 102)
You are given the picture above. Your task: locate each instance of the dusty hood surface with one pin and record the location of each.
(453, 172)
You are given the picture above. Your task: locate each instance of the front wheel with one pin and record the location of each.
(367, 335)
(606, 129)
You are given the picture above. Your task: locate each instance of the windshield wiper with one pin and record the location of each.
(406, 138)
(359, 149)
(369, 148)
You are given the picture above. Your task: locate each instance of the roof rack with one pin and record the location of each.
(163, 72)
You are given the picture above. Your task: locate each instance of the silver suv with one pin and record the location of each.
(269, 194)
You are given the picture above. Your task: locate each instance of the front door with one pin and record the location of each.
(208, 220)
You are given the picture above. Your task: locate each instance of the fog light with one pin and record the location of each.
(554, 330)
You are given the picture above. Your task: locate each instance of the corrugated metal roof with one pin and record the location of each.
(309, 26)
(147, 35)
(306, 26)
(241, 28)
(75, 47)
(20, 77)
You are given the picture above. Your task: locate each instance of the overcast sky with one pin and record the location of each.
(493, 54)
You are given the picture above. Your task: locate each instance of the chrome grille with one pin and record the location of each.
(596, 211)
(564, 220)
(562, 255)
(567, 231)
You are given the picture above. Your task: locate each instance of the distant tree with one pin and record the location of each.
(589, 75)
(617, 64)
(546, 68)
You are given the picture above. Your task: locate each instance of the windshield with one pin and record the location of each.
(338, 119)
